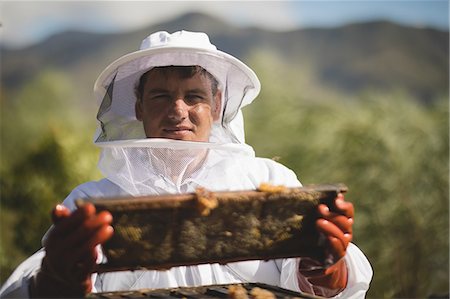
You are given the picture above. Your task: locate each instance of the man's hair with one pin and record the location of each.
(183, 71)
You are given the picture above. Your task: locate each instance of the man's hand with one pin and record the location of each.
(70, 252)
(336, 226)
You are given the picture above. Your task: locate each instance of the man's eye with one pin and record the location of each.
(159, 97)
(194, 98)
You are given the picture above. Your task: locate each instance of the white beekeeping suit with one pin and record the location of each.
(135, 165)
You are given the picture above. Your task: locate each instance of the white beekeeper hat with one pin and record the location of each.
(115, 85)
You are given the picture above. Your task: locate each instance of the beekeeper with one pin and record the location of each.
(170, 121)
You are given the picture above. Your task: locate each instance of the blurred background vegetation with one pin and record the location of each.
(389, 145)
(393, 155)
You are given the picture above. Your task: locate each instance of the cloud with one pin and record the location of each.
(26, 22)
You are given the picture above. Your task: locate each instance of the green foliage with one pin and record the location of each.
(393, 155)
(45, 154)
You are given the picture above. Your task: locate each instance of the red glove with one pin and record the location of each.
(336, 226)
(70, 253)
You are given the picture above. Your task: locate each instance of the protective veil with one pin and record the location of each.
(154, 166)
(135, 165)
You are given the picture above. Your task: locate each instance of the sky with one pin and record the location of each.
(26, 22)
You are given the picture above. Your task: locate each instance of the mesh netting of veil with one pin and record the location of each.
(116, 113)
(161, 166)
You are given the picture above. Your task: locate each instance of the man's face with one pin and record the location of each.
(176, 107)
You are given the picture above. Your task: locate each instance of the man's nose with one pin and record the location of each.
(178, 110)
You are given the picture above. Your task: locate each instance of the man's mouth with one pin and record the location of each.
(177, 130)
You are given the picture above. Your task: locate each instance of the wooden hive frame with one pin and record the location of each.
(163, 231)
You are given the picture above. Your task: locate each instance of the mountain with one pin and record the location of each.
(350, 58)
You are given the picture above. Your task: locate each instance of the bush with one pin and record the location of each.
(393, 155)
(45, 154)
